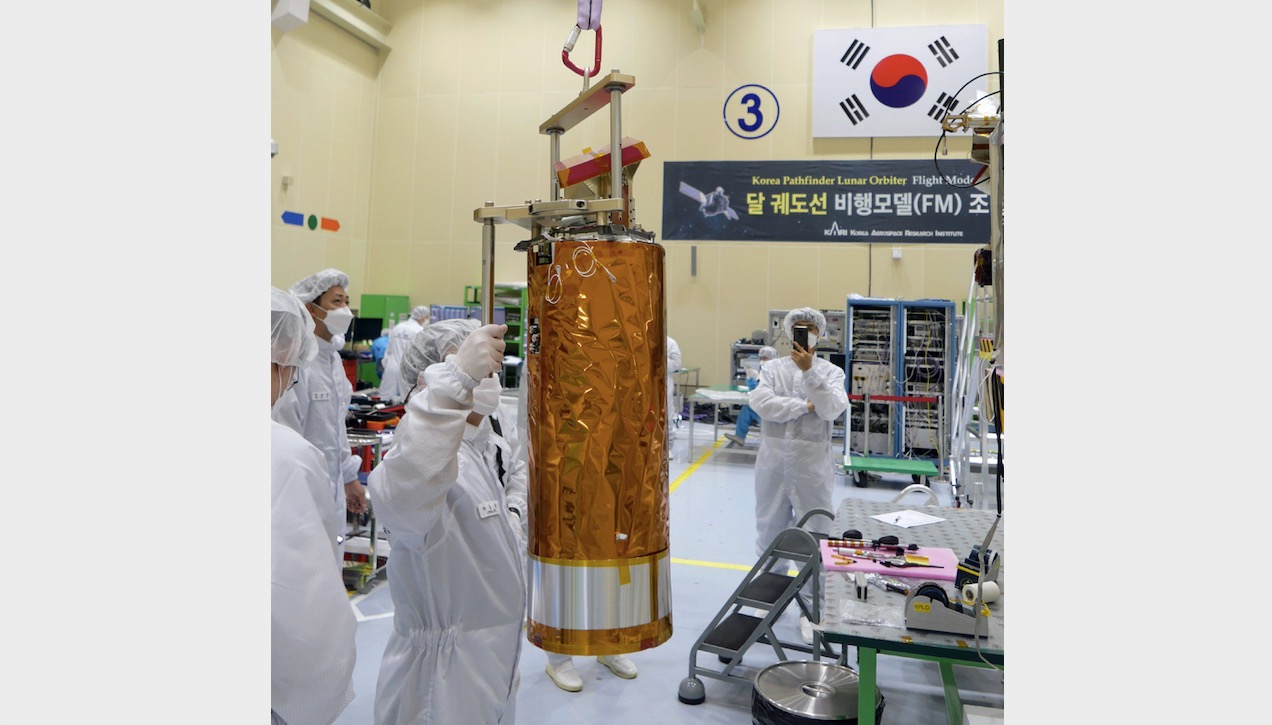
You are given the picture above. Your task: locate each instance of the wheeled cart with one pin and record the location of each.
(920, 470)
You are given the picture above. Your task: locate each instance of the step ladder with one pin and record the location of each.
(769, 589)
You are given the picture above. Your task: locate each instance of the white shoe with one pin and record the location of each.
(566, 677)
(805, 630)
(734, 440)
(619, 665)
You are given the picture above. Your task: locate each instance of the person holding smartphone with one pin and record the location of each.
(798, 398)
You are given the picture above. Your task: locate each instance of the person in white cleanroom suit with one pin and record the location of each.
(747, 415)
(391, 383)
(455, 574)
(312, 627)
(316, 407)
(798, 398)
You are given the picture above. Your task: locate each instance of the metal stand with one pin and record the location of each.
(361, 576)
(770, 590)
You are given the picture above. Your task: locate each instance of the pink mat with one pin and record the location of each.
(945, 558)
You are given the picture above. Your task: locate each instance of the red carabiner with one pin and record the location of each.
(596, 62)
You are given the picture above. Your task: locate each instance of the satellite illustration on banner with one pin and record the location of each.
(717, 202)
(872, 82)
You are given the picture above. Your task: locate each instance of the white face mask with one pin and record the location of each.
(337, 320)
(812, 341)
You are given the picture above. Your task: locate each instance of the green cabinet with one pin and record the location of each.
(392, 309)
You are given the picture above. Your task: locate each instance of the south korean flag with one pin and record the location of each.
(871, 82)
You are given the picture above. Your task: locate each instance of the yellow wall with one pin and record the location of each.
(406, 143)
(324, 89)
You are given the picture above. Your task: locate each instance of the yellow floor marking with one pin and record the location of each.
(689, 471)
(681, 479)
(711, 564)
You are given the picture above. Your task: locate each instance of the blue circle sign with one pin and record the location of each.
(751, 111)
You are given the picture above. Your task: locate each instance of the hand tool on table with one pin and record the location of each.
(888, 584)
(858, 553)
(907, 564)
(852, 538)
(842, 554)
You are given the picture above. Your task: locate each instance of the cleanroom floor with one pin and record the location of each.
(712, 546)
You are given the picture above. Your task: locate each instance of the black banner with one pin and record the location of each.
(826, 201)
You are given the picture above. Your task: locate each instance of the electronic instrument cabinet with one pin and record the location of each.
(898, 367)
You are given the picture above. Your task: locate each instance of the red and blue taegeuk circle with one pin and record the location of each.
(898, 81)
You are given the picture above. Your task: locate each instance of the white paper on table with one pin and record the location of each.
(907, 518)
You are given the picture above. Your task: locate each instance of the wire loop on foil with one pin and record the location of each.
(591, 270)
(554, 278)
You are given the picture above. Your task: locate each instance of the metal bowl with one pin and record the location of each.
(799, 692)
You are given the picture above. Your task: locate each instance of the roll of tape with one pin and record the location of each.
(990, 592)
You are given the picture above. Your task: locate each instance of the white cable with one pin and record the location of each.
(550, 297)
(591, 270)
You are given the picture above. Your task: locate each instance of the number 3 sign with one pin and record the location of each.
(751, 111)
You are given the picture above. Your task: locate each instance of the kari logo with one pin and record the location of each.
(894, 81)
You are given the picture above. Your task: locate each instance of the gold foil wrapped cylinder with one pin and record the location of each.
(596, 377)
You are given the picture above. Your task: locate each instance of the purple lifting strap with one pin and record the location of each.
(589, 14)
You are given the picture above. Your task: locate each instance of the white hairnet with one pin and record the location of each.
(431, 345)
(421, 313)
(801, 315)
(292, 330)
(312, 287)
(768, 353)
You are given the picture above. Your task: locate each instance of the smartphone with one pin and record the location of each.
(801, 336)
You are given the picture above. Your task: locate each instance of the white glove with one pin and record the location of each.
(481, 353)
(486, 396)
